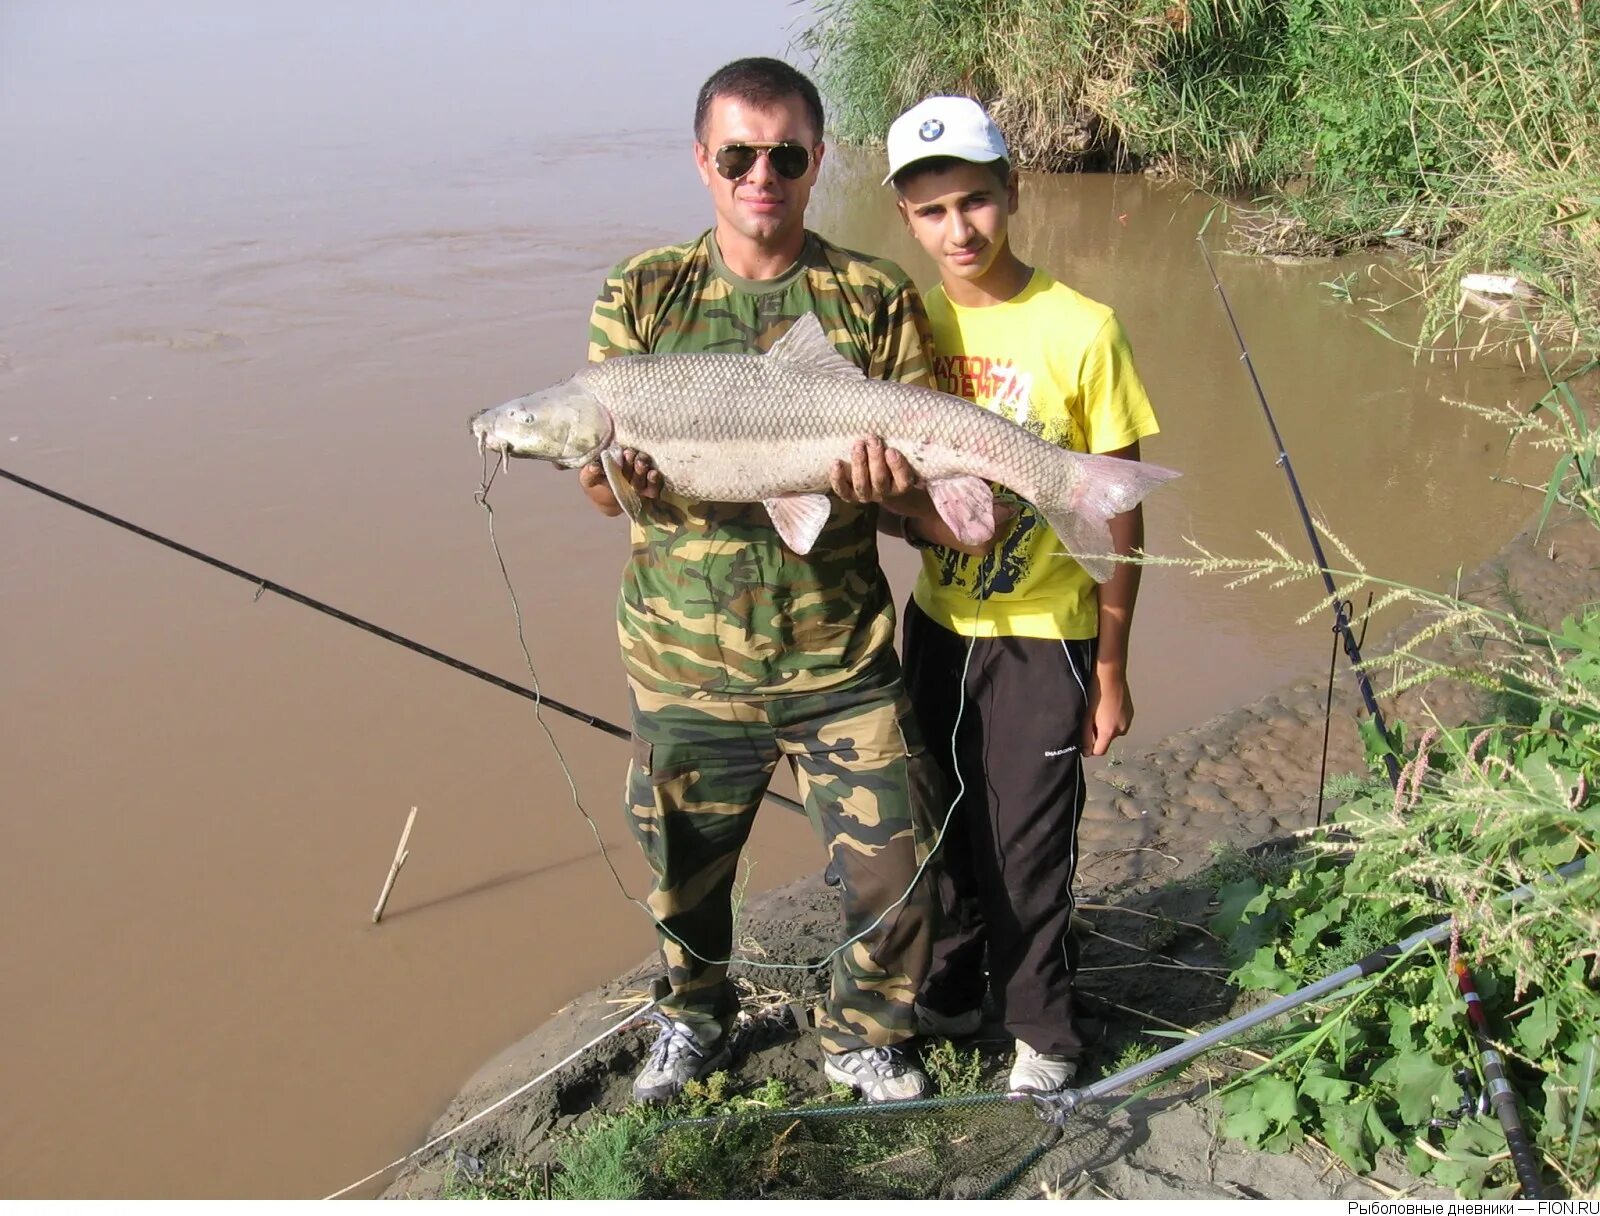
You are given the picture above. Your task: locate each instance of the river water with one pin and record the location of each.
(259, 263)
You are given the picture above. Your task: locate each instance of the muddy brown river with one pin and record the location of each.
(258, 263)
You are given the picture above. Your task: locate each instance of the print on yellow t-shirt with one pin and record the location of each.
(1057, 363)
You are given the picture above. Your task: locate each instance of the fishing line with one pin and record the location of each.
(481, 496)
(627, 1020)
(1341, 621)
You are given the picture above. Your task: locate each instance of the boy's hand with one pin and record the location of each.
(1110, 710)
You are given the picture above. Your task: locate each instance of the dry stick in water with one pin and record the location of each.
(400, 856)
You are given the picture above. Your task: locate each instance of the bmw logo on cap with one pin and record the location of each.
(930, 130)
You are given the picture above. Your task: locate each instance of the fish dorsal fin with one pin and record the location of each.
(806, 344)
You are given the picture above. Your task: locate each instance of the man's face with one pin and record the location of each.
(763, 205)
(960, 216)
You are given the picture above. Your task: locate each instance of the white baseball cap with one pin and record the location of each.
(944, 126)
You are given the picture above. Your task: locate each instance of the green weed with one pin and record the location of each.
(954, 1073)
(1135, 1051)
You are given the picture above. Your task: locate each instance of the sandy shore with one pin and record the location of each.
(1244, 777)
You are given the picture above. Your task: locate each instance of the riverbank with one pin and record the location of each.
(1459, 134)
(1154, 821)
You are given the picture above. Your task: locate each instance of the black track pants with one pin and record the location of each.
(1011, 850)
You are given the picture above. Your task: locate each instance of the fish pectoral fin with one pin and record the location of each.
(807, 345)
(621, 487)
(799, 518)
(967, 505)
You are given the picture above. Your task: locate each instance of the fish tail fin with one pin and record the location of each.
(1104, 486)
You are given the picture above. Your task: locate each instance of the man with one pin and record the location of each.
(1019, 645)
(738, 651)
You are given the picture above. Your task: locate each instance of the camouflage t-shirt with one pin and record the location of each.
(713, 604)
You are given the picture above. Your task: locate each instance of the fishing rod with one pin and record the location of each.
(1341, 619)
(1498, 1090)
(1502, 1097)
(288, 593)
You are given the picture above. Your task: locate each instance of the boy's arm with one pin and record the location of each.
(1110, 710)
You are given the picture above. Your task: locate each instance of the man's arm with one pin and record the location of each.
(614, 330)
(1110, 710)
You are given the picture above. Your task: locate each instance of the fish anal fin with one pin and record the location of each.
(807, 345)
(627, 498)
(799, 519)
(967, 505)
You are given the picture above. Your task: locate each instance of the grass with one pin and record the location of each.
(638, 1153)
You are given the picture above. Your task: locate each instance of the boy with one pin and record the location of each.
(1046, 680)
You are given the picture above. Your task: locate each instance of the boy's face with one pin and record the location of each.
(960, 215)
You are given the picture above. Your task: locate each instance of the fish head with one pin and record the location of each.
(564, 424)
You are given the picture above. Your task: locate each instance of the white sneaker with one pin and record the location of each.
(676, 1058)
(1045, 1074)
(881, 1074)
(938, 1025)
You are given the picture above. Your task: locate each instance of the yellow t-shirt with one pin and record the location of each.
(1059, 364)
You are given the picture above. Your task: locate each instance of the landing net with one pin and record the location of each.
(984, 1146)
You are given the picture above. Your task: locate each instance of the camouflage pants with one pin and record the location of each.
(699, 770)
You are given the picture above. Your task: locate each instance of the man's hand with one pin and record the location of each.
(636, 467)
(875, 473)
(1109, 713)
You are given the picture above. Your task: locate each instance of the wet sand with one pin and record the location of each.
(1245, 777)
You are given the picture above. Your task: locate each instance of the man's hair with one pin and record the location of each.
(938, 164)
(757, 81)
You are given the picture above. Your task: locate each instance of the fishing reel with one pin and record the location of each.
(1474, 1101)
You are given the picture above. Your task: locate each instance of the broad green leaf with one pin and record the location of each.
(1473, 1148)
(1276, 1099)
(1234, 904)
(1401, 1021)
(1345, 1129)
(1420, 1086)
(1244, 1121)
(1325, 1090)
(1264, 972)
(1537, 1028)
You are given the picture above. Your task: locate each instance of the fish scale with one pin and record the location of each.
(708, 411)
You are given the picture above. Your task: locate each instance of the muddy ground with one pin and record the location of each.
(1246, 777)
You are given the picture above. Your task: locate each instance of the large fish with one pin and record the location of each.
(767, 428)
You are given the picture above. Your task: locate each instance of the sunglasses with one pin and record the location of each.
(788, 160)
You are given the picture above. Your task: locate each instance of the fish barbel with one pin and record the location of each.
(767, 428)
